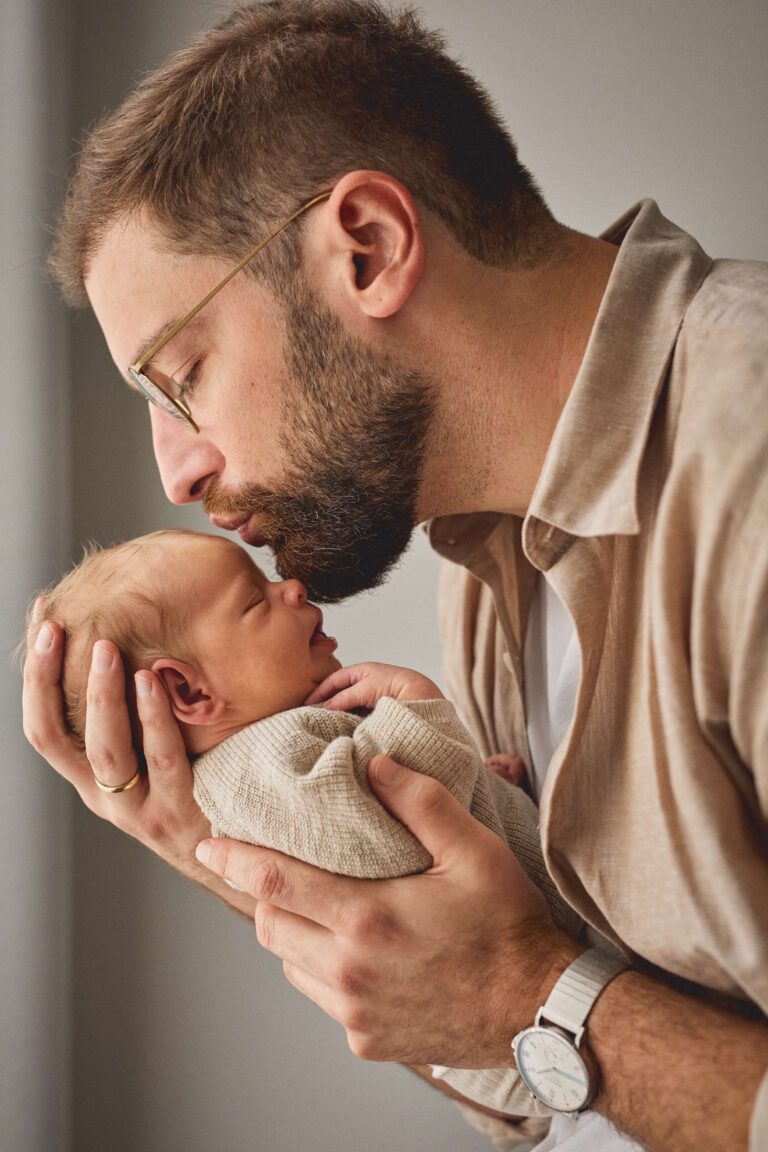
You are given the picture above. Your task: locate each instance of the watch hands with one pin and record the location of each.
(559, 1072)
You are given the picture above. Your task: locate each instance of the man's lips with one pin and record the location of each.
(246, 527)
(250, 534)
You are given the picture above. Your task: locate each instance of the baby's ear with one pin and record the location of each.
(192, 698)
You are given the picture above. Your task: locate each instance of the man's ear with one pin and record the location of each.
(371, 231)
(192, 698)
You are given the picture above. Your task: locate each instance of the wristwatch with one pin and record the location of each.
(549, 1057)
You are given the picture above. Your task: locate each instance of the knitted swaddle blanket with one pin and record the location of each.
(298, 782)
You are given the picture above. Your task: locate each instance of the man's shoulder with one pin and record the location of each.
(717, 485)
(733, 297)
(720, 364)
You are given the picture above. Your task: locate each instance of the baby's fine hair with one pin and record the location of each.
(112, 595)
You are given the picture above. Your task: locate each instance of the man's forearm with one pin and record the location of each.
(678, 1075)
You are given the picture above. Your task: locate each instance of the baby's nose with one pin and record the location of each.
(294, 593)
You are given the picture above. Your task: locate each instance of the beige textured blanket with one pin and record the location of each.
(297, 782)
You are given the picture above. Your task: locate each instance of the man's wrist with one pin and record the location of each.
(552, 1054)
(546, 953)
(666, 1058)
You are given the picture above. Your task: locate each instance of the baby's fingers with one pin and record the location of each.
(334, 683)
(356, 696)
(506, 765)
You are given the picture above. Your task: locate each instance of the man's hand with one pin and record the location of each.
(443, 967)
(363, 685)
(447, 966)
(160, 811)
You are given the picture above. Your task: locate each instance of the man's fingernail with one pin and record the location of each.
(203, 852)
(102, 658)
(44, 639)
(387, 771)
(143, 685)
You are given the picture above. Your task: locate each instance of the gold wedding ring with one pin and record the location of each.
(113, 789)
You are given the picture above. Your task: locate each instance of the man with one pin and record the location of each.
(583, 421)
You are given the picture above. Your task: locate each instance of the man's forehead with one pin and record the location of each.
(138, 286)
(131, 244)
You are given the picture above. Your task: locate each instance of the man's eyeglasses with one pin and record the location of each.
(149, 383)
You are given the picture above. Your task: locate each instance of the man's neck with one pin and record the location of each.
(505, 348)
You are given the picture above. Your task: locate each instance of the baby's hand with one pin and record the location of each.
(362, 685)
(506, 765)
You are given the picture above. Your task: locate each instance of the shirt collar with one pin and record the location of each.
(588, 484)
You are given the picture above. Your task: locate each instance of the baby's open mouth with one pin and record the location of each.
(320, 639)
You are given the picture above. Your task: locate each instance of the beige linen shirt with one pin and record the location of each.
(650, 520)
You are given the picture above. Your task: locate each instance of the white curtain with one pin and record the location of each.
(35, 811)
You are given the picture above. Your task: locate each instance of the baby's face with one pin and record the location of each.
(259, 642)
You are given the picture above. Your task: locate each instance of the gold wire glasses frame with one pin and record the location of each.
(156, 393)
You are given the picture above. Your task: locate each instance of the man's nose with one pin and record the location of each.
(187, 460)
(294, 593)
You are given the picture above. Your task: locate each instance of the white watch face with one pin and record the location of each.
(552, 1069)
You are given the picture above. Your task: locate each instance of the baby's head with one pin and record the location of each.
(230, 646)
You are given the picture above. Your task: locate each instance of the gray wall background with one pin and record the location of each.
(164, 1027)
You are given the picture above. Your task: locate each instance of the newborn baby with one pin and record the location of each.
(261, 701)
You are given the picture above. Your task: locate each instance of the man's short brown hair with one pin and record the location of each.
(272, 106)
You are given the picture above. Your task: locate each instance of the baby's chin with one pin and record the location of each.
(327, 669)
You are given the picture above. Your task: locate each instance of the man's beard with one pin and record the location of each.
(354, 430)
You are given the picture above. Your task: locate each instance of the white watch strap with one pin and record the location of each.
(573, 996)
